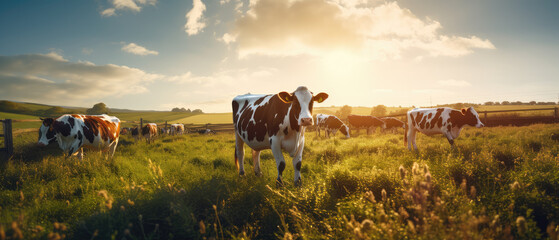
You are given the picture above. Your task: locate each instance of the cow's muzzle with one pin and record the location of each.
(40, 144)
(306, 121)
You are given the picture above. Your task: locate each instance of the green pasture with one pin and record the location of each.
(496, 183)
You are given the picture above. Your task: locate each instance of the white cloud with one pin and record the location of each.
(380, 30)
(87, 51)
(51, 79)
(454, 83)
(132, 5)
(194, 18)
(138, 50)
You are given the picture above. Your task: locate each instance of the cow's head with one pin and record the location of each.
(302, 102)
(47, 133)
(472, 118)
(345, 130)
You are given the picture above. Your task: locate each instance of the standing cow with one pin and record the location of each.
(367, 122)
(330, 124)
(149, 131)
(446, 121)
(177, 129)
(275, 121)
(72, 132)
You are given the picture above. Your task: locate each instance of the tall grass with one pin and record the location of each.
(496, 183)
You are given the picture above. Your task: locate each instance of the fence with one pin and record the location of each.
(7, 135)
(506, 119)
(190, 127)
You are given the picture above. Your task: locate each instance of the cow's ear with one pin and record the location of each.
(320, 97)
(285, 97)
(464, 111)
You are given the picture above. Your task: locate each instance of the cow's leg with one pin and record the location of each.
(297, 162)
(80, 154)
(318, 131)
(112, 148)
(411, 138)
(256, 162)
(280, 161)
(449, 138)
(239, 154)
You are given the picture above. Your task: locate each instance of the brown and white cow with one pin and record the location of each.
(275, 121)
(149, 131)
(72, 132)
(177, 129)
(446, 121)
(330, 124)
(393, 123)
(367, 122)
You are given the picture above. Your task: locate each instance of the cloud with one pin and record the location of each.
(315, 27)
(131, 5)
(51, 79)
(194, 18)
(454, 83)
(138, 50)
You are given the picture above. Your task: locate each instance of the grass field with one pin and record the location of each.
(496, 183)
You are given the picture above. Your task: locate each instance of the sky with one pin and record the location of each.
(157, 55)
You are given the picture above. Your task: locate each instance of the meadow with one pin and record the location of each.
(496, 183)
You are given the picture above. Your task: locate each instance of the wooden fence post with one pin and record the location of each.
(485, 117)
(556, 113)
(141, 124)
(8, 140)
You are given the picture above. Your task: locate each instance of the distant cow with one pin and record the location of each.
(177, 129)
(135, 132)
(149, 131)
(367, 122)
(393, 123)
(125, 130)
(446, 121)
(330, 124)
(275, 121)
(72, 132)
(206, 131)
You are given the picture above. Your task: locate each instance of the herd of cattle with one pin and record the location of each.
(274, 121)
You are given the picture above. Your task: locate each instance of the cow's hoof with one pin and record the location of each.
(279, 182)
(258, 174)
(298, 182)
(241, 173)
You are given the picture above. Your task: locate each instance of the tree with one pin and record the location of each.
(99, 108)
(343, 112)
(379, 110)
(488, 103)
(505, 103)
(197, 111)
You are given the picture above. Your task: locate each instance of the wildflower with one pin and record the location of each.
(383, 193)
(104, 194)
(521, 224)
(411, 226)
(367, 225)
(130, 202)
(202, 227)
(403, 214)
(515, 186)
(415, 169)
(464, 185)
(473, 192)
(428, 177)
(402, 172)
(370, 196)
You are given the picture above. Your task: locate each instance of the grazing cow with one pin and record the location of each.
(125, 130)
(74, 131)
(177, 129)
(135, 132)
(275, 121)
(393, 123)
(367, 122)
(330, 124)
(206, 131)
(149, 131)
(446, 121)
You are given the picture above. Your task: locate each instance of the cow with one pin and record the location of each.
(177, 129)
(73, 131)
(206, 131)
(393, 123)
(135, 132)
(149, 131)
(367, 122)
(276, 122)
(330, 124)
(446, 121)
